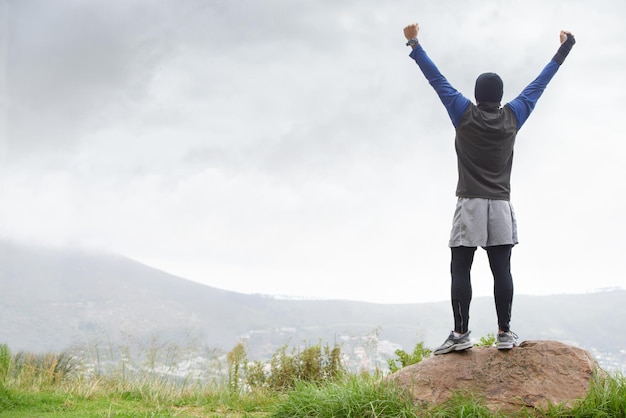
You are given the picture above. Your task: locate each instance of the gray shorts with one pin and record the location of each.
(483, 223)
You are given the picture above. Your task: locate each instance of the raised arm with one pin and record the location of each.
(454, 102)
(523, 105)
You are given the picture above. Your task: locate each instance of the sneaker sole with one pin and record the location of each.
(456, 347)
(505, 346)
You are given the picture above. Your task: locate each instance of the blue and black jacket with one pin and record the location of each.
(485, 133)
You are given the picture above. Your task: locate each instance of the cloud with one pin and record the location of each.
(294, 148)
(75, 66)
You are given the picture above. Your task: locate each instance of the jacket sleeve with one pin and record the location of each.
(454, 102)
(523, 105)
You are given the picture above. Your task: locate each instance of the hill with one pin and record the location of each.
(51, 299)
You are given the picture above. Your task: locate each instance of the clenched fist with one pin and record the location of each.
(411, 31)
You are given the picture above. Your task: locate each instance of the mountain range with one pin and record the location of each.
(52, 299)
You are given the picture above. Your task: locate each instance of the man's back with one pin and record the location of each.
(484, 142)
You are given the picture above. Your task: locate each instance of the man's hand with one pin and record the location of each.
(563, 35)
(567, 42)
(411, 31)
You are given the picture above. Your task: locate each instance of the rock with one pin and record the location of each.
(532, 375)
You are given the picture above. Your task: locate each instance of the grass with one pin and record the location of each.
(606, 399)
(59, 385)
(136, 403)
(352, 397)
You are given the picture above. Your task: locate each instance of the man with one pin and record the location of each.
(484, 217)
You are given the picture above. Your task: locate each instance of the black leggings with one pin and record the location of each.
(460, 267)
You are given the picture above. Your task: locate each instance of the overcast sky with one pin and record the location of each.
(293, 148)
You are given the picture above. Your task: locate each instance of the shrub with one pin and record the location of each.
(488, 341)
(405, 359)
(311, 364)
(37, 370)
(237, 360)
(5, 362)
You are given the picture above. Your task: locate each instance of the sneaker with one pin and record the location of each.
(454, 344)
(507, 340)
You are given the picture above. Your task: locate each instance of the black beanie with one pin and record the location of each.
(489, 88)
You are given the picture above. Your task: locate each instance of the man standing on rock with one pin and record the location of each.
(484, 217)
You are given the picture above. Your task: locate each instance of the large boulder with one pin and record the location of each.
(532, 375)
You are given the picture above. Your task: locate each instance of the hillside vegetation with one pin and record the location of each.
(309, 381)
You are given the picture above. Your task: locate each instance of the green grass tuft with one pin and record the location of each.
(606, 399)
(350, 397)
